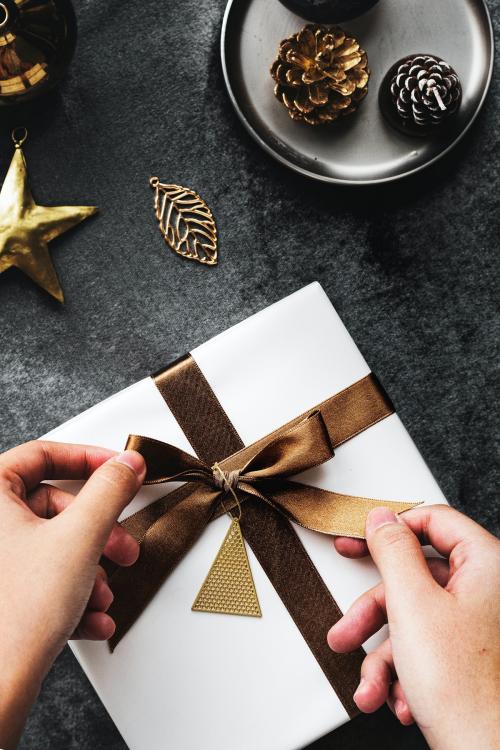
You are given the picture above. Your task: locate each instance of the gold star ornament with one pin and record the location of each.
(26, 229)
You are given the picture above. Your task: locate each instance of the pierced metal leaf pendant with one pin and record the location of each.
(229, 588)
(186, 222)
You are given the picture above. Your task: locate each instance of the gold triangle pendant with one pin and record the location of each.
(229, 588)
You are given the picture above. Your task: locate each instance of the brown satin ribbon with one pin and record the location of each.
(301, 446)
(169, 527)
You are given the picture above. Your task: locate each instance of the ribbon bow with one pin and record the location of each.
(300, 447)
(261, 470)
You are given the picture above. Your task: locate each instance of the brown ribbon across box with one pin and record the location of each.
(169, 527)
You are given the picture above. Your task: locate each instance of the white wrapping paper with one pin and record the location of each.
(184, 681)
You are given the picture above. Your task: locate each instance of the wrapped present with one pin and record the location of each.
(279, 423)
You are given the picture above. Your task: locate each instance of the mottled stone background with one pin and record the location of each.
(412, 271)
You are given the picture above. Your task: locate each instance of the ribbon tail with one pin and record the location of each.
(162, 547)
(328, 512)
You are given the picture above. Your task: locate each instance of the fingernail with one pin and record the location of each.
(379, 517)
(361, 687)
(132, 459)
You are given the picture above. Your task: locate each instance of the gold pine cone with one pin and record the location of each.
(320, 74)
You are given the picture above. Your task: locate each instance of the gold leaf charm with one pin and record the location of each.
(186, 222)
(229, 588)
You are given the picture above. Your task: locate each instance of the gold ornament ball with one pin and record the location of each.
(321, 74)
(37, 41)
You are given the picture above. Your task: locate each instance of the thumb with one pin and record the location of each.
(106, 493)
(398, 555)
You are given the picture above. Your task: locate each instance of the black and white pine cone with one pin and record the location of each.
(425, 90)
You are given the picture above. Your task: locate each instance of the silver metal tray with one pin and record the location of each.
(362, 149)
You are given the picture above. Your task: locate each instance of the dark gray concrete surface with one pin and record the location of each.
(412, 270)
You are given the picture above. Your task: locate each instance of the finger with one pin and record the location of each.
(399, 705)
(97, 506)
(377, 672)
(398, 555)
(121, 547)
(439, 525)
(31, 463)
(368, 613)
(445, 528)
(94, 626)
(364, 618)
(101, 597)
(352, 548)
(47, 501)
(440, 570)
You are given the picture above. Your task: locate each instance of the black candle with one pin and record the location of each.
(329, 11)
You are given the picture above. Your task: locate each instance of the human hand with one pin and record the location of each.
(52, 587)
(440, 665)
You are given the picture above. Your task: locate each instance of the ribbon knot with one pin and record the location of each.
(225, 480)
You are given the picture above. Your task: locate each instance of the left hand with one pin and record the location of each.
(52, 587)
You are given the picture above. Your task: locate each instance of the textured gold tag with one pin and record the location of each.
(229, 588)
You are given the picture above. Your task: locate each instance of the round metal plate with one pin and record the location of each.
(362, 149)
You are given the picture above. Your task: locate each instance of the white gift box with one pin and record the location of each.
(183, 680)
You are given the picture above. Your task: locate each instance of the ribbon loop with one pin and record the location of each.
(300, 447)
(160, 456)
(303, 446)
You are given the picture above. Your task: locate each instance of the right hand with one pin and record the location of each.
(440, 665)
